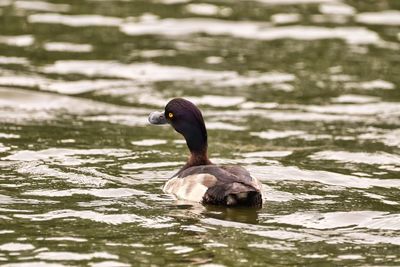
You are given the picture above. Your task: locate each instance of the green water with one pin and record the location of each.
(304, 94)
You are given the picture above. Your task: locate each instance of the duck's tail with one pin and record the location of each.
(233, 194)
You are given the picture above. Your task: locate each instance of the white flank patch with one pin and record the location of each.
(190, 188)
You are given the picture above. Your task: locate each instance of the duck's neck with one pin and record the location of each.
(197, 144)
(195, 159)
(198, 158)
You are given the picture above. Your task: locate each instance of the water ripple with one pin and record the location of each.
(75, 20)
(250, 30)
(280, 173)
(114, 219)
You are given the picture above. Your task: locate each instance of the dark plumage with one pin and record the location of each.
(199, 179)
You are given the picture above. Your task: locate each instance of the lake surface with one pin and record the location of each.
(304, 93)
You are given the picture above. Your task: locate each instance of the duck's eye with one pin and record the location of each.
(170, 115)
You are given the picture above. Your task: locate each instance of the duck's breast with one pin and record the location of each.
(191, 187)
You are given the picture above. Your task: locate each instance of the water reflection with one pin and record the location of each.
(242, 215)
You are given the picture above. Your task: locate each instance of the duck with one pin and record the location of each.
(200, 180)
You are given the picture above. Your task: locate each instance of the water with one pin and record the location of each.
(304, 93)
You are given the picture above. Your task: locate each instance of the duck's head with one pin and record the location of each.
(187, 120)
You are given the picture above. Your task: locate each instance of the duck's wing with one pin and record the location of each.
(223, 174)
(231, 185)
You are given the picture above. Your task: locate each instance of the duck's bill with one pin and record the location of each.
(157, 118)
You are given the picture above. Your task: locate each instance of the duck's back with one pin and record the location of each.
(218, 185)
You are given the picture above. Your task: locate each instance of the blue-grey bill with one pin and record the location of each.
(157, 118)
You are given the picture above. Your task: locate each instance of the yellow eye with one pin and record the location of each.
(170, 115)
